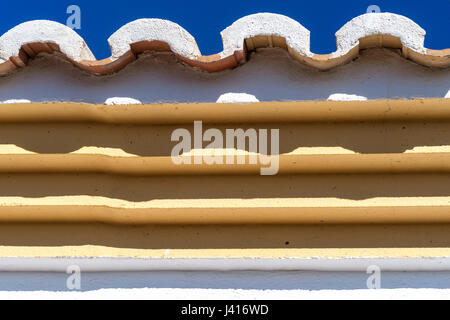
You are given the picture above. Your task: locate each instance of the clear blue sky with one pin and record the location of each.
(205, 19)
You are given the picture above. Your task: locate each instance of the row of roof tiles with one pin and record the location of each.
(390, 30)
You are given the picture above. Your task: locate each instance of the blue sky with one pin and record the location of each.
(205, 19)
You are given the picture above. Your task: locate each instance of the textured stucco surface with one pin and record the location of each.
(262, 29)
(411, 35)
(266, 24)
(70, 43)
(179, 40)
(270, 75)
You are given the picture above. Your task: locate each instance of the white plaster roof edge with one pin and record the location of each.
(105, 264)
(181, 42)
(44, 31)
(411, 34)
(266, 24)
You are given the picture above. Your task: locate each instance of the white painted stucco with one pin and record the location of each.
(179, 40)
(345, 97)
(225, 285)
(237, 98)
(105, 264)
(183, 43)
(210, 294)
(410, 33)
(266, 24)
(70, 43)
(269, 75)
(295, 278)
(13, 101)
(121, 100)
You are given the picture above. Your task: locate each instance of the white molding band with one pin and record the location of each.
(104, 264)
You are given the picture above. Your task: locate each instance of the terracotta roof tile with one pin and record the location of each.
(370, 30)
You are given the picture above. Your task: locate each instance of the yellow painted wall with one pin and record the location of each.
(395, 203)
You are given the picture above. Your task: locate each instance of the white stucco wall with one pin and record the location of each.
(225, 285)
(270, 75)
(109, 278)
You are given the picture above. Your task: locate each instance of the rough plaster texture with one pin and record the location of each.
(266, 24)
(179, 40)
(70, 43)
(410, 34)
(270, 75)
(237, 98)
(269, 28)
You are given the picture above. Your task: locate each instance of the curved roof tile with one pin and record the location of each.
(246, 34)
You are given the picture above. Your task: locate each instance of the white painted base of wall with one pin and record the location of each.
(202, 294)
(226, 285)
(243, 280)
(128, 278)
